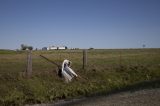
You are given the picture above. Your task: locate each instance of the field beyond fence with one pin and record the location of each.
(106, 70)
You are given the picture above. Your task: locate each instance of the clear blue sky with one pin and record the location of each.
(80, 23)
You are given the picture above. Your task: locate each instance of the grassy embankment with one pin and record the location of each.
(107, 70)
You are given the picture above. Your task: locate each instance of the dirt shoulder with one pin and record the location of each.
(146, 97)
(145, 93)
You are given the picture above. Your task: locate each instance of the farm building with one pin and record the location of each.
(57, 48)
(44, 48)
(62, 48)
(53, 48)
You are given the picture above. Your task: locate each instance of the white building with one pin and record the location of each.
(53, 48)
(56, 48)
(61, 48)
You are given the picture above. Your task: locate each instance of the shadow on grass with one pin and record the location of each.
(131, 88)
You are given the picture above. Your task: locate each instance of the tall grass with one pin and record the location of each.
(106, 70)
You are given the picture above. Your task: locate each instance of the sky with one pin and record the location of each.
(99, 24)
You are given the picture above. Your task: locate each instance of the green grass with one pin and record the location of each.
(107, 70)
(7, 51)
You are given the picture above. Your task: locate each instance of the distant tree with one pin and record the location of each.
(91, 48)
(30, 47)
(23, 47)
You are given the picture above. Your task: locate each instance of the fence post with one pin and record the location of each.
(29, 64)
(84, 58)
(120, 59)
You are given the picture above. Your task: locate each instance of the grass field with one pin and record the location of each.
(107, 70)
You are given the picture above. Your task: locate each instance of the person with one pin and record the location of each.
(67, 72)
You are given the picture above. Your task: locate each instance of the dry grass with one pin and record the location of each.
(107, 70)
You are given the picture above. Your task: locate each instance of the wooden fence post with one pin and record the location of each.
(29, 64)
(84, 58)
